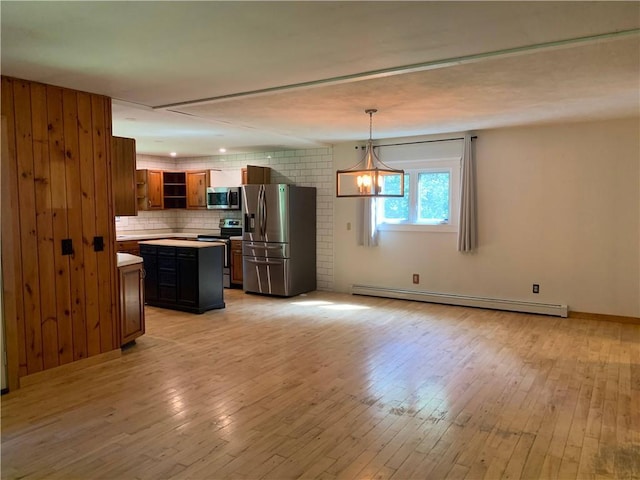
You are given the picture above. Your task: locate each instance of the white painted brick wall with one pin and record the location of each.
(311, 168)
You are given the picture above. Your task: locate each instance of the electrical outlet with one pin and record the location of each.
(536, 288)
(416, 278)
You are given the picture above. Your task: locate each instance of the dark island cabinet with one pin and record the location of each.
(183, 278)
(187, 270)
(150, 261)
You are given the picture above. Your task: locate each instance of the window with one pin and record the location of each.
(431, 191)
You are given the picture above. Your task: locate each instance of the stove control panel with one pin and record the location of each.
(230, 223)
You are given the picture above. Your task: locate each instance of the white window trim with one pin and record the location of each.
(417, 227)
(453, 165)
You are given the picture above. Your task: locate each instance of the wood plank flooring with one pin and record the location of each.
(332, 386)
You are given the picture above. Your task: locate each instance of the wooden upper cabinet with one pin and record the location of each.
(154, 189)
(254, 175)
(149, 189)
(123, 166)
(197, 183)
(174, 189)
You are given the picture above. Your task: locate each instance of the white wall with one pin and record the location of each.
(558, 205)
(310, 167)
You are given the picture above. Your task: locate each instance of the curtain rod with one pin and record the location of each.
(423, 141)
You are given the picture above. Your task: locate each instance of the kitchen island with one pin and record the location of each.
(183, 275)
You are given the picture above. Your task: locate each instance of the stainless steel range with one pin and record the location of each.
(229, 227)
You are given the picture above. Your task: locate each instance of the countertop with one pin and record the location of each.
(239, 237)
(152, 236)
(181, 243)
(125, 259)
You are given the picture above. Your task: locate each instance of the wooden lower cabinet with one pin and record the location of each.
(131, 288)
(128, 246)
(236, 262)
(183, 278)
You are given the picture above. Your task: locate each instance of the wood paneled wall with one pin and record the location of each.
(59, 169)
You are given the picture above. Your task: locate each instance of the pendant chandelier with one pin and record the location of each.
(370, 178)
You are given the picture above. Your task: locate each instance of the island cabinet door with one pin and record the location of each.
(150, 260)
(187, 269)
(167, 275)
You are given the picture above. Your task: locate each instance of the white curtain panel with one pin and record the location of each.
(468, 226)
(368, 228)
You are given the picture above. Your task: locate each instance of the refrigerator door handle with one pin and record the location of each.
(265, 213)
(259, 211)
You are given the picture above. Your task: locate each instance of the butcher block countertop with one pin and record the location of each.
(181, 243)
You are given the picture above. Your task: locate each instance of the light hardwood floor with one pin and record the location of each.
(335, 386)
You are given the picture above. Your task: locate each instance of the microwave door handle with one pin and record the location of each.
(228, 198)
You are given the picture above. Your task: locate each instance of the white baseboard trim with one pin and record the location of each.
(462, 300)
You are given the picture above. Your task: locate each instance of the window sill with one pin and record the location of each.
(412, 227)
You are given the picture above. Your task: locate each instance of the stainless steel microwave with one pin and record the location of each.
(223, 198)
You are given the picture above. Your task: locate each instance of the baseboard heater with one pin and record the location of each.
(462, 300)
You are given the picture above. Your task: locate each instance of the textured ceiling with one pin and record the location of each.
(477, 65)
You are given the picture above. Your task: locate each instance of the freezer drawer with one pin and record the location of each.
(265, 249)
(270, 276)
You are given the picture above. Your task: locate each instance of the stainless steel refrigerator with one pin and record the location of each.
(279, 239)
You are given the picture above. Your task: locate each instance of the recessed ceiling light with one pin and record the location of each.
(173, 154)
(222, 150)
